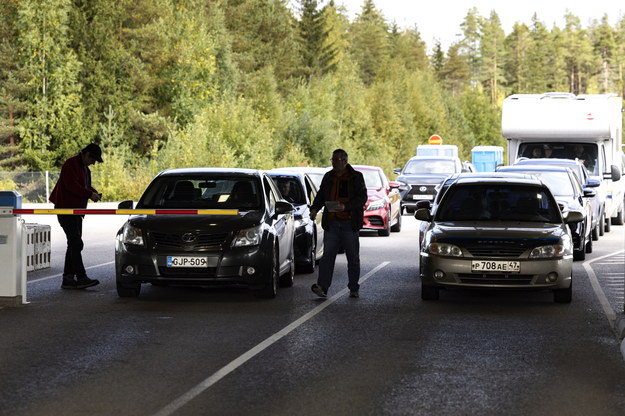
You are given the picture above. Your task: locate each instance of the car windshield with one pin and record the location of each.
(494, 202)
(202, 192)
(584, 152)
(372, 178)
(426, 166)
(290, 188)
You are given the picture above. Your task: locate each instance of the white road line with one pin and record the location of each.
(238, 362)
(603, 300)
(61, 274)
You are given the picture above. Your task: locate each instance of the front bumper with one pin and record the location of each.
(375, 219)
(533, 274)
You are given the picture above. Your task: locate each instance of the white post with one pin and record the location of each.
(47, 186)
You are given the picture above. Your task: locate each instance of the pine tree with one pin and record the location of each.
(492, 56)
(577, 54)
(369, 41)
(605, 48)
(515, 67)
(408, 49)
(318, 54)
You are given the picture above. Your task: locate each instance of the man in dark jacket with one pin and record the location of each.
(343, 194)
(73, 190)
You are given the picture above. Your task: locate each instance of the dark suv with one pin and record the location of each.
(421, 175)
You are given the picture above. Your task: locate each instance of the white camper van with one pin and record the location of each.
(563, 125)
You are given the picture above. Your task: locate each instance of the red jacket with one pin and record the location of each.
(71, 190)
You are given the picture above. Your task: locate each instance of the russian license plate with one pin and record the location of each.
(422, 197)
(495, 266)
(184, 261)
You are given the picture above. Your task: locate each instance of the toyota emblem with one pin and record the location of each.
(423, 189)
(188, 237)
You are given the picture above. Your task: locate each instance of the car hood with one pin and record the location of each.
(421, 179)
(214, 223)
(375, 193)
(520, 233)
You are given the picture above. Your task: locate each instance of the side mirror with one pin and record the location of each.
(423, 204)
(127, 204)
(573, 216)
(283, 207)
(593, 183)
(615, 174)
(393, 184)
(423, 214)
(397, 171)
(589, 193)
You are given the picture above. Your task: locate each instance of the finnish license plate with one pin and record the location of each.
(422, 197)
(184, 261)
(495, 266)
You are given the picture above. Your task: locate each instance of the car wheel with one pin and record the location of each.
(387, 231)
(601, 225)
(607, 221)
(397, 227)
(589, 246)
(126, 290)
(580, 254)
(287, 279)
(271, 287)
(620, 217)
(563, 295)
(595, 232)
(429, 292)
(311, 259)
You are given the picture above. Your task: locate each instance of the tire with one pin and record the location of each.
(271, 287)
(563, 295)
(287, 279)
(311, 261)
(620, 217)
(607, 223)
(579, 254)
(387, 231)
(589, 246)
(397, 227)
(601, 225)
(595, 233)
(128, 290)
(429, 292)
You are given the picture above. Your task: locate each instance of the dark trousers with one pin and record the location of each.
(340, 233)
(72, 225)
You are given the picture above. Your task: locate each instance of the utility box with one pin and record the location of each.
(38, 248)
(12, 251)
(486, 158)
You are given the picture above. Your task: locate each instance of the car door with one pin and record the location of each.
(311, 193)
(283, 225)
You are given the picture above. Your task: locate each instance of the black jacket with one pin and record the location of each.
(357, 194)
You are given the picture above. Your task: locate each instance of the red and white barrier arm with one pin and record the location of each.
(71, 211)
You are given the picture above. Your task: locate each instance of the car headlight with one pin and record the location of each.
(248, 237)
(376, 204)
(547, 252)
(403, 186)
(444, 249)
(132, 235)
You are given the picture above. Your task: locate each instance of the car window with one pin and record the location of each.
(372, 178)
(584, 152)
(290, 188)
(202, 192)
(436, 166)
(497, 203)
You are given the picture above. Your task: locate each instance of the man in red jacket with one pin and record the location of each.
(73, 190)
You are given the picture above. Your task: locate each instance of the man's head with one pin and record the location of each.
(339, 160)
(91, 153)
(285, 187)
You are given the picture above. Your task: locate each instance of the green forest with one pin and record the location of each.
(267, 83)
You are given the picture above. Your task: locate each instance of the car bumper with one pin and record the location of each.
(533, 273)
(237, 267)
(375, 220)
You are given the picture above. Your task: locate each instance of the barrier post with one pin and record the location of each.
(12, 251)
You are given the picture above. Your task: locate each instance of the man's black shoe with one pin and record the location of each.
(68, 283)
(319, 291)
(85, 282)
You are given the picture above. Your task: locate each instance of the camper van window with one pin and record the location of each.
(585, 152)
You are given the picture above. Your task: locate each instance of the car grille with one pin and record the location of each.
(416, 190)
(175, 241)
(495, 279)
(496, 251)
(376, 221)
(187, 272)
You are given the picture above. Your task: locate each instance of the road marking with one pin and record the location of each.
(61, 274)
(603, 300)
(248, 355)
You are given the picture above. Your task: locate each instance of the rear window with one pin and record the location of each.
(202, 192)
(498, 203)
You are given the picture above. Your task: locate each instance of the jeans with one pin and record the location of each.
(72, 225)
(340, 234)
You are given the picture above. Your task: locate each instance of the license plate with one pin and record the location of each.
(495, 266)
(184, 261)
(422, 197)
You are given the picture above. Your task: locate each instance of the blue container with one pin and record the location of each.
(486, 158)
(10, 199)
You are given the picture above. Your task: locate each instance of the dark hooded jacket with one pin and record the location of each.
(357, 197)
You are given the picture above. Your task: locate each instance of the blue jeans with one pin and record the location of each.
(340, 234)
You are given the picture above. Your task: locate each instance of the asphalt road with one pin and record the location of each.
(191, 351)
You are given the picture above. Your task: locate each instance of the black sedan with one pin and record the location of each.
(243, 234)
(299, 189)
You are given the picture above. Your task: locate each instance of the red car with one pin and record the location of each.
(383, 206)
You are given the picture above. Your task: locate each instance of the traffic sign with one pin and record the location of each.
(435, 139)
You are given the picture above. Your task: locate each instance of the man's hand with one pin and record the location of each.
(313, 214)
(95, 197)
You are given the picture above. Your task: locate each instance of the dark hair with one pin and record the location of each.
(342, 153)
